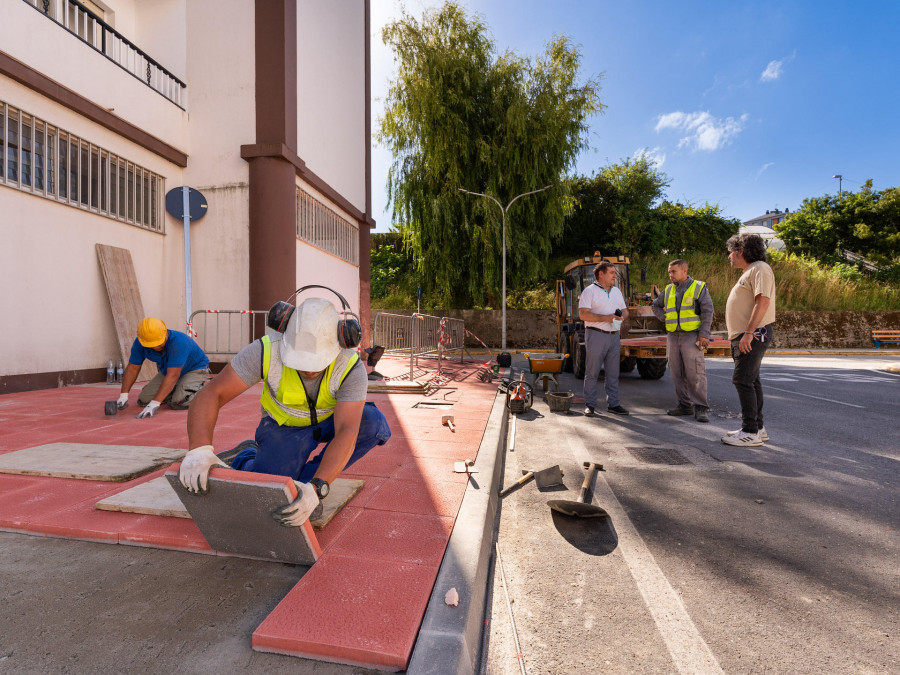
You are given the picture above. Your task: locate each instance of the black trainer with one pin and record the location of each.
(617, 409)
(229, 455)
(589, 411)
(680, 410)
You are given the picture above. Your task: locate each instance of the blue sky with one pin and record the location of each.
(749, 105)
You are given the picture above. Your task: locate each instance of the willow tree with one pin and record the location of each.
(460, 116)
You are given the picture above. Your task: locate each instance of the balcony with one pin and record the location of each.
(83, 23)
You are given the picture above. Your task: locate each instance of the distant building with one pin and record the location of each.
(764, 227)
(769, 219)
(105, 105)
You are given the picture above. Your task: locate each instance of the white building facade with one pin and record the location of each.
(261, 105)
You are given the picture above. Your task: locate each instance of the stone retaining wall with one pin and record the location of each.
(536, 329)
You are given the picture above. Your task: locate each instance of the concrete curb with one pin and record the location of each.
(450, 637)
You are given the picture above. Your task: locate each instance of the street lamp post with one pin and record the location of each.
(840, 185)
(503, 210)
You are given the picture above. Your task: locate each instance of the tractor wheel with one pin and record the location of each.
(580, 360)
(563, 348)
(651, 369)
(627, 364)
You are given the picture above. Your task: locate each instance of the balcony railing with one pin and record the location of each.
(92, 30)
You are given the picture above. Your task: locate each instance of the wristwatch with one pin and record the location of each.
(321, 486)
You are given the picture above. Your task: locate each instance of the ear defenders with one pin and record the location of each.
(349, 331)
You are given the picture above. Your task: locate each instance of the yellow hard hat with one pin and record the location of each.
(152, 332)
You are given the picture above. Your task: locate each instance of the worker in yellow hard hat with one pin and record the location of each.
(183, 367)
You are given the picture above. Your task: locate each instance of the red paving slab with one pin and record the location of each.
(375, 609)
(380, 555)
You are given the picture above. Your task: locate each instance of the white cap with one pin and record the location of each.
(310, 341)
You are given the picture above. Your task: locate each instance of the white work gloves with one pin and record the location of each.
(195, 466)
(149, 411)
(298, 511)
(122, 403)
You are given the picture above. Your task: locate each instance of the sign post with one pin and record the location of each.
(186, 204)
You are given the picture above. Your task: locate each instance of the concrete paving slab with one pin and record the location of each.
(158, 498)
(235, 516)
(88, 461)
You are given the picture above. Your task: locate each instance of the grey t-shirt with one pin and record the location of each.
(247, 363)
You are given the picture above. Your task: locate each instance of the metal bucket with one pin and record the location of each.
(559, 402)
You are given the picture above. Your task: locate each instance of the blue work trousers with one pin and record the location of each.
(286, 451)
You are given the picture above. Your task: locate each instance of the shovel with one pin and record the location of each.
(581, 508)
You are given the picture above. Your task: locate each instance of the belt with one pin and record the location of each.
(600, 330)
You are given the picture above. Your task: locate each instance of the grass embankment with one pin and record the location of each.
(800, 283)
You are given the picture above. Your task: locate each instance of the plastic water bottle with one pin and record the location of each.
(110, 372)
(120, 371)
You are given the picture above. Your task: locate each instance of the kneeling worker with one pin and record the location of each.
(183, 367)
(314, 392)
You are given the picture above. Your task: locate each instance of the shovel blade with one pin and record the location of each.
(577, 509)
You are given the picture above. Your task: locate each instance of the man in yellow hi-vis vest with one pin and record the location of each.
(687, 310)
(314, 392)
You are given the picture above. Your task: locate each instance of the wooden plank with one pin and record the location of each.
(403, 387)
(124, 300)
(88, 461)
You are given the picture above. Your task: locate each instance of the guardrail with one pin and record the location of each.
(419, 335)
(231, 329)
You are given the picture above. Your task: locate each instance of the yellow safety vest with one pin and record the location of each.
(284, 397)
(686, 316)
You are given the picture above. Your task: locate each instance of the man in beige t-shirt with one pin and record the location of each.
(749, 318)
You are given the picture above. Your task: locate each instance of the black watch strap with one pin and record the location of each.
(321, 487)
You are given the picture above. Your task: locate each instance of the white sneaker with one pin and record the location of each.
(742, 438)
(763, 436)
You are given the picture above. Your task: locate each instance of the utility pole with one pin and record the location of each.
(503, 210)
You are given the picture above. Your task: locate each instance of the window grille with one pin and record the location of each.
(88, 177)
(326, 229)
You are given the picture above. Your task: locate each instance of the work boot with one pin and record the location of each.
(229, 455)
(680, 410)
(617, 409)
(700, 415)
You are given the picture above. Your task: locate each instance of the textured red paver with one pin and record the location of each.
(380, 555)
(373, 616)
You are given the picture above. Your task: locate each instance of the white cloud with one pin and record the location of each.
(705, 132)
(773, 70)
(763, 168)
(655, 155)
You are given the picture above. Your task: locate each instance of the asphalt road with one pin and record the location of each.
(779, 559)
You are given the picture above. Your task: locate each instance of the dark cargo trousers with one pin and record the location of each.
(687, 363)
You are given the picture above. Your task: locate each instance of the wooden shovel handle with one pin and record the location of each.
(592, 468)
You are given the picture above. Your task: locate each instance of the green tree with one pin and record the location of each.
(458, 116)
(684, 229)
(865, 222)
(637, 185)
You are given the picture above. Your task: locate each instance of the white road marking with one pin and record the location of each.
(689, 651)
(797, 393)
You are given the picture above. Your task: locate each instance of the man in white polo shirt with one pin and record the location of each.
(603, 309)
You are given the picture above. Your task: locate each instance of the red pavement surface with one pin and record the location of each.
(381, 554)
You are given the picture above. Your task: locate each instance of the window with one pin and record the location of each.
(324, 228)
(42, 159)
